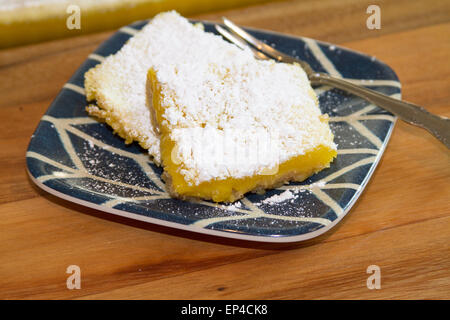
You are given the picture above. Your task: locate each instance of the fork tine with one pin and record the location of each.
(240, 43)
(266, 49)
(237, 41)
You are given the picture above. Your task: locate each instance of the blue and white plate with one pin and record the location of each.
(79, 159)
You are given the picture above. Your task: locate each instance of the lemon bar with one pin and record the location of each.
(229, 123)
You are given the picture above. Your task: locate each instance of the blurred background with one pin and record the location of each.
(30, 21)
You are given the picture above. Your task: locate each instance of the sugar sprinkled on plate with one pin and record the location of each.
(232, 207)
(277, 198)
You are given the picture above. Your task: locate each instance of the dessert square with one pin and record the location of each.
(229, 123)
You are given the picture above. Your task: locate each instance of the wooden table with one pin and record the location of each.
(401, 223)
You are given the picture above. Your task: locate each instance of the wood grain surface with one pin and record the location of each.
(401, 222)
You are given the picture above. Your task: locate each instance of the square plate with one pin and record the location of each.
(74, 157)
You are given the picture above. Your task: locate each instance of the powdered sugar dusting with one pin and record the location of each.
(292, 194)
(277, 198)
(216, 95)
(232, 207)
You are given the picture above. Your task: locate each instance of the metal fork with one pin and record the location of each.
(411, 113)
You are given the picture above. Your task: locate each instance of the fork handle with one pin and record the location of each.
(411, 113)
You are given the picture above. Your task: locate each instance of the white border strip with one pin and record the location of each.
(322, 58)
(96, 57)
(75, 88)
(128, 30)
